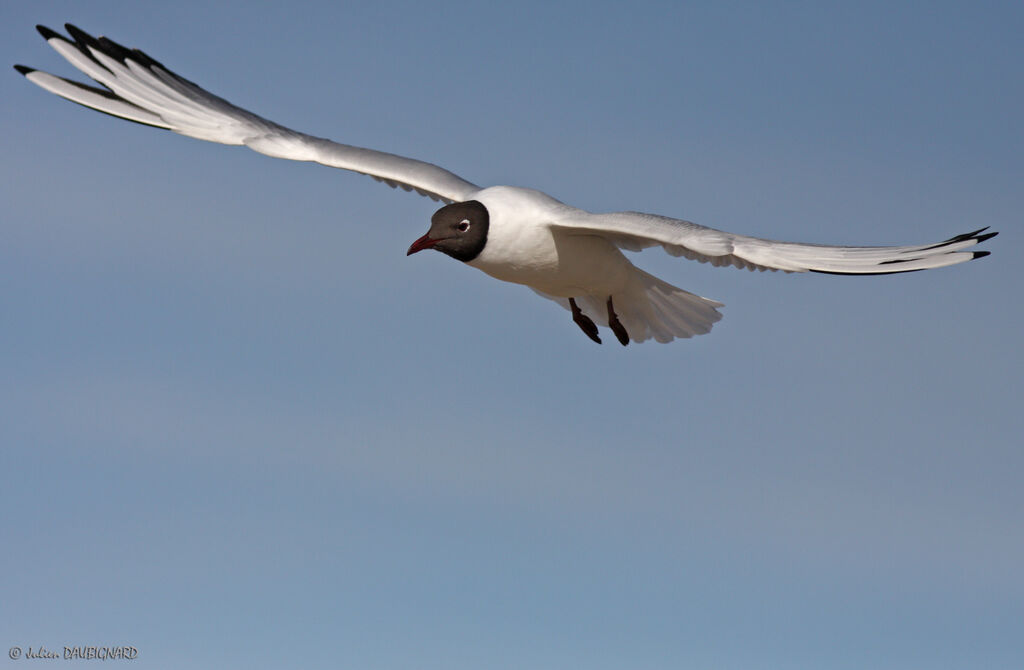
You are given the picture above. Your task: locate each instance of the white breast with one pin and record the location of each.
(522, 247)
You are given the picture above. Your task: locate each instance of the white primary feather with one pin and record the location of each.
(142, 90)
(634, 231)
(557, 250)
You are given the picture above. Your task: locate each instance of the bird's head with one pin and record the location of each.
(458, 229)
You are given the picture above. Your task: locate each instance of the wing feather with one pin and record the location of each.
(634, 231)
(138, 88)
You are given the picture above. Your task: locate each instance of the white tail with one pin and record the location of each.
(651, 308)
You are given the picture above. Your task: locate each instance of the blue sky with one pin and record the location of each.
(241, 429)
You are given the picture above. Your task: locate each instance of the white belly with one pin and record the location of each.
(556, 263)
(524, 249)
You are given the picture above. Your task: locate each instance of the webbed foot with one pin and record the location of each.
(585, 323)
(616, 325)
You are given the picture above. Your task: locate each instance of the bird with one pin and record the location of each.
(519, 235)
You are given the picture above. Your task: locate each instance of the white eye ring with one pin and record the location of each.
(464, 225)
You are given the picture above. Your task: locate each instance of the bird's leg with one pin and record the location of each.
(584, 321)
(616, 325)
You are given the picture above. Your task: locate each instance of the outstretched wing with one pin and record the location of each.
(634, 231)
(139, 89)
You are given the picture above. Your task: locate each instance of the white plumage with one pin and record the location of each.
(561, 252)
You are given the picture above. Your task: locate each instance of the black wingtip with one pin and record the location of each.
(80, 35)
(981, 254)
(143, 59)
(113, 49)
(973, 235)
(964, 236)
(47, 33)
(24, 69)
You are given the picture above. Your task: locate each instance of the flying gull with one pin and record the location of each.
(514, 234)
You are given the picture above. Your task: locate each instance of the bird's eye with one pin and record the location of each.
(463, 225)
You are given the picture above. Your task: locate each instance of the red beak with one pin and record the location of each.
(424, 242)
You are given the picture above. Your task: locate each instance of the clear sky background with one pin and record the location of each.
(241, 429)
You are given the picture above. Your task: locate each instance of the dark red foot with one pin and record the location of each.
(616, 325)
(583, 321)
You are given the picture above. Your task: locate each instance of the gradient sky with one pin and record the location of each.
(241, 429)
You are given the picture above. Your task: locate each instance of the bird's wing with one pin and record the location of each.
(634, 231)
(138, 88)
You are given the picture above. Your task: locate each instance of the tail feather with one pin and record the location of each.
(675, 312)
(651, 309)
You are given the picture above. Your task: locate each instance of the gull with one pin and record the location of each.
(518, 235)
